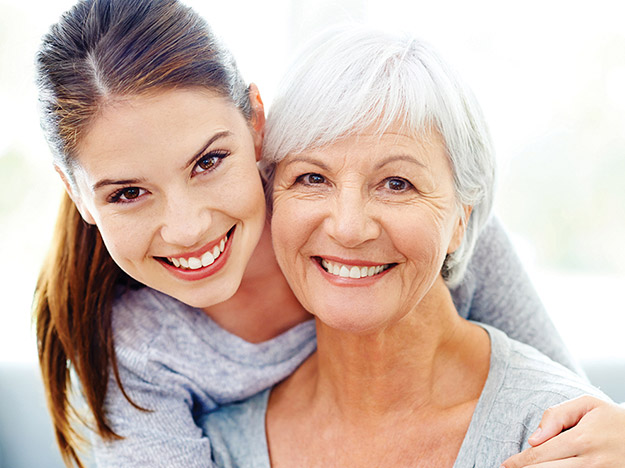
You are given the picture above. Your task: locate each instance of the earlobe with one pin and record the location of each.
(461, 228)
(84, 213)
(258, 119)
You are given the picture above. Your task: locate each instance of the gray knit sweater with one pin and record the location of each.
(179, 364)
(522, 383)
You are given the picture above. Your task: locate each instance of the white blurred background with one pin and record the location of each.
(550, 75)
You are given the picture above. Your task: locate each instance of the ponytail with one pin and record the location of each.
(98, 51)
(72, 309)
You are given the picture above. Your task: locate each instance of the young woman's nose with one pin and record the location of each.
(185, 222)
(350, 221)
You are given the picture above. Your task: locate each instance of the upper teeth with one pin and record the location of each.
(351, 271)
(194, 263)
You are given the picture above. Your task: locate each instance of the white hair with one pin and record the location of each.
(351, 78)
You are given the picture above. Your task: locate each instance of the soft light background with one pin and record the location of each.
(550, 75)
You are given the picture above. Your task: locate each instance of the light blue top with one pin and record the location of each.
(179, 364)
(521, 384)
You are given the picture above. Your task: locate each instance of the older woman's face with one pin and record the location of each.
(361, 227)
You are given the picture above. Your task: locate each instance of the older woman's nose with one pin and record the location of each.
(185, 222)
(350, 222)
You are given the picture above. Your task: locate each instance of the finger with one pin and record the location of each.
(563, 447)
(565, 463)
(561, 417)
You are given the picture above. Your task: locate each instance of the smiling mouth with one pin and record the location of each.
(206, 259)
(344, 270)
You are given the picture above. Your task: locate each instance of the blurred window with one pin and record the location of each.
(550, 76)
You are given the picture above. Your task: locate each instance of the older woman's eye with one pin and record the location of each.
(397, 184)
(311, 179)
(126, 195)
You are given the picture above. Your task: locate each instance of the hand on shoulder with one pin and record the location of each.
(586, 432)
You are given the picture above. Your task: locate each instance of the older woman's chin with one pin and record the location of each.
(358, 320)
(355, 323)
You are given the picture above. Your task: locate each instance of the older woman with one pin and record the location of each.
(382, 174)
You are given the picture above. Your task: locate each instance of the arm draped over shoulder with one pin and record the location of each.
(496, 290)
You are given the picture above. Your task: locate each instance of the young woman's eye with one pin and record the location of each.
(311, 179)
(126, 195)
(397, 184)
(209, 161)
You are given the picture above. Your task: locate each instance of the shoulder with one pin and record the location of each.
(162, 342)
(491, 261)
(145, 320)
(531, 375)
(494, 232)
(530, 382)
(146, 309)
(494, 254)
(238, 417)
(160, 348)
(522, 383)
(237, 432)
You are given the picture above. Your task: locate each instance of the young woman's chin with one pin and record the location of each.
(202, 293)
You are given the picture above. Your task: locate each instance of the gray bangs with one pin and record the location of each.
(359, 86)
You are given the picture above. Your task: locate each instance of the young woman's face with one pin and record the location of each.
(171, 182)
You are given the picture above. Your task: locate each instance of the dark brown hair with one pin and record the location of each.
(98, 50)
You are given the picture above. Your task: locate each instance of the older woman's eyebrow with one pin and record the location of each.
(400, 157)
(309, 160)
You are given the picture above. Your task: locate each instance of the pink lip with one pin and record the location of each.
(201, 251)
(344, 261)
(204, 272)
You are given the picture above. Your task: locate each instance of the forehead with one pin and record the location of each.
(374, 144)
(171, 121)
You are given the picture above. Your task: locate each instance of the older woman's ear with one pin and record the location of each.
(461, 227)
(258, 119)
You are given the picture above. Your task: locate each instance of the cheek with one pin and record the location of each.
(240, 193)
(284, 238)
(291, 226)
(256, 195)
(422, 241)
(125, 241)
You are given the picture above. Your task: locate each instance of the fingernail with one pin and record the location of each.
(536, 433)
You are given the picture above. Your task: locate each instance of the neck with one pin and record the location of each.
(429, 357)
(264, 305)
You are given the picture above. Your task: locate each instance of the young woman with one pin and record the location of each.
(161, 297)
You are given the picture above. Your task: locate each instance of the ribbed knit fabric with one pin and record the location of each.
(521, 384)
(179, 364)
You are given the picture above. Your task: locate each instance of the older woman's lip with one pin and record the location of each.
(352, 269)
(349, 261)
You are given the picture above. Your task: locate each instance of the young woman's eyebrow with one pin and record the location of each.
(211, 140)
(105, 182)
